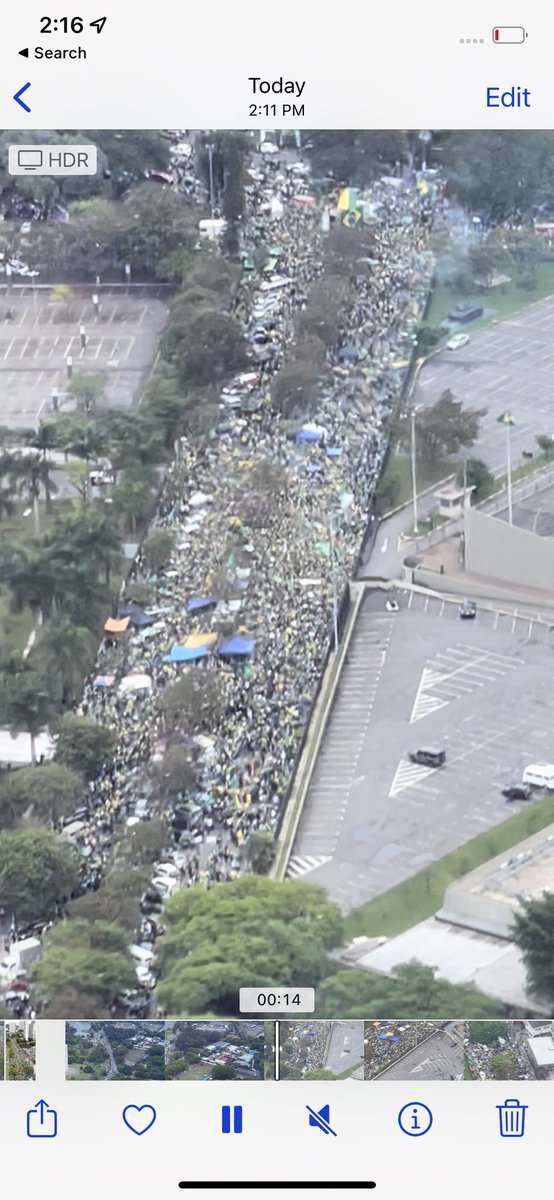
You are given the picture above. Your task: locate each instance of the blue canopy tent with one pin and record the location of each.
(136, 614)
(103, 681)
(141, 620)
(237, 647)
(187, 653)
(198, 603)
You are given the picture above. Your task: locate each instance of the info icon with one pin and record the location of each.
(415, 1119)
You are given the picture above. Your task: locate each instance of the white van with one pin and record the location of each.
(539, 775)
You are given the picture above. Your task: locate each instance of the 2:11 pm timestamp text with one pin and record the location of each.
(276, 110)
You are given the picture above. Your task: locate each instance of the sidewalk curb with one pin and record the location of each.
(320, 717)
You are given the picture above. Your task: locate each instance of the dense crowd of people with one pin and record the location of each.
(506, 1057)
(269, 566)
(303, 1047)
(387, 1041)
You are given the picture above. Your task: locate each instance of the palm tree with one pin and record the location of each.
(89, 537)
(31, 576)
(64, 653)
(83, 438)
(136, 440)
(46, 439)
(134, 495)
(33, 475)
(9, 468)
(26, 703)
(7, 504)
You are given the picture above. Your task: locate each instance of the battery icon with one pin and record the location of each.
(508, 35)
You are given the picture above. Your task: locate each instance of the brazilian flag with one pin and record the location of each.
(505, 418)
(350, 219)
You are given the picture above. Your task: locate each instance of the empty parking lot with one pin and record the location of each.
(479, 689)
(38, 334)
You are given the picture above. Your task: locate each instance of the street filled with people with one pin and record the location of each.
(502, 1057)
(268, 517)
(387, 1041)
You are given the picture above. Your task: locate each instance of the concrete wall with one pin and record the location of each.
(458, 585)
(487, 898)
(501, 551)
(483, 912)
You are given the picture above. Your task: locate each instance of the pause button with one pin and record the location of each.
(231, 1118)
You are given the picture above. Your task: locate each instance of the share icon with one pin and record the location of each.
(321, 1119)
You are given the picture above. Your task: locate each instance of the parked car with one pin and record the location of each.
(428, 757)
(465, 312)
(391, 604)
(468, 610)
(517, 791)
(456, 342)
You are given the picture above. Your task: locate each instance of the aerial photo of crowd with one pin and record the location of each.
(274, 593)
(251, 599)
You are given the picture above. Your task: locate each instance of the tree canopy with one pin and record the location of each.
(249, 930)
(534, 934)
(89, 957)
(38, 872)
(83, 744)
(443, 428)
(413, 991)
(48, 793)
(486, 1032)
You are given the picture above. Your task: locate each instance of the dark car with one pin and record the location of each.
(468, 610)
(428, 758)
(80, 814)
(465, 312)
(517, 791)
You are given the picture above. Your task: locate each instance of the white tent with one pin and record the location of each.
(135, 683)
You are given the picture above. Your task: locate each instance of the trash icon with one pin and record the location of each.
(511, 1115)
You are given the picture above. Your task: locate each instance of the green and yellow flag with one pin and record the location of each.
(348, 199)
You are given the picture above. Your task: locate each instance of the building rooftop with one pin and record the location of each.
(493, 965)
(542, 1050)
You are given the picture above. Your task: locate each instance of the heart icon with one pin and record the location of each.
(139, 1118)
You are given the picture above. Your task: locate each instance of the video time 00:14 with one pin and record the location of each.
(276, 110)
(291, 999)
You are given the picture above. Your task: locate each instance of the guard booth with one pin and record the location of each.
(453, 499)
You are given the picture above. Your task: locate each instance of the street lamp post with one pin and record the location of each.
(414, 479)
(210, 148)
(509, 470)
(507, 420)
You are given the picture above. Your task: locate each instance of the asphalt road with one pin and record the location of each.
(346, 1047)
(422, 677)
